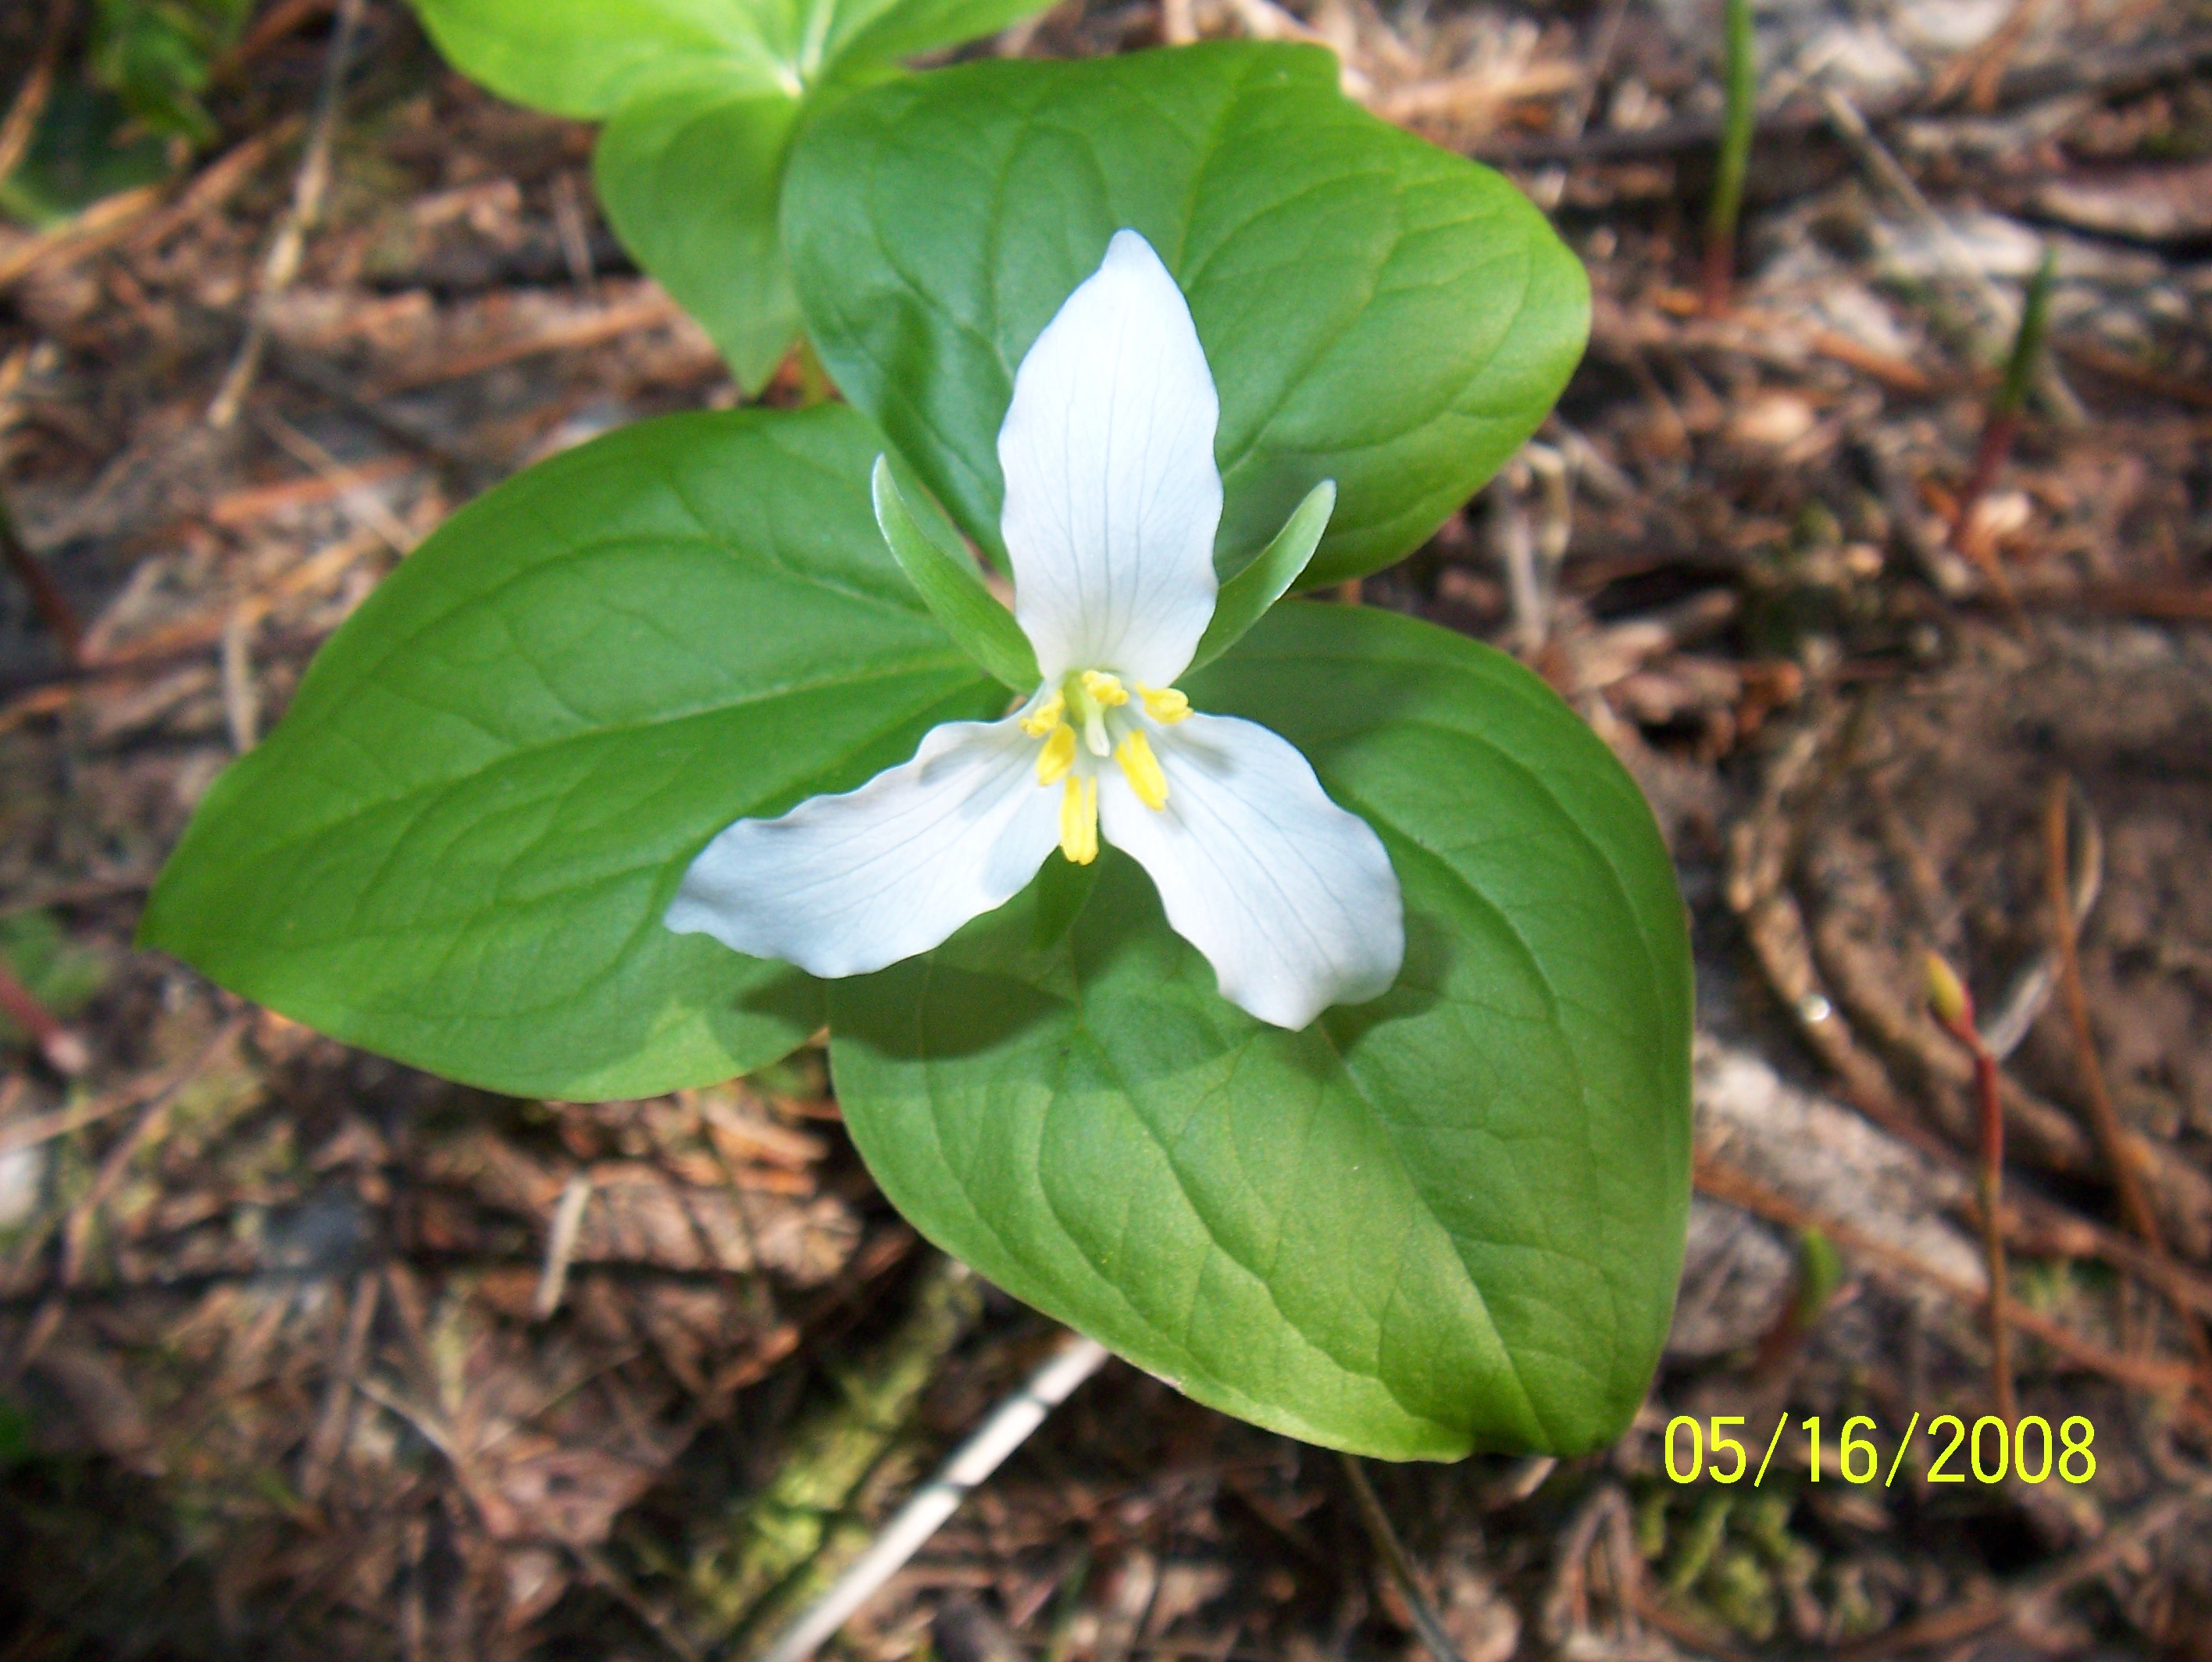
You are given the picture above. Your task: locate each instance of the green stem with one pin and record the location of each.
(1742, 78)
(2027, 341)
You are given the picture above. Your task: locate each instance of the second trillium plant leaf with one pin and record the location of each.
(701, 99)
(1112, 498)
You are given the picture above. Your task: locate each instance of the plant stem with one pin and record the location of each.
(2002, 424)
(64, 1052)
(1954, 1007)
(1426, 1622)
(1742, 88)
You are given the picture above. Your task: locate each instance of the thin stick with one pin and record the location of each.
(22, 121)
(2013, 1603)
(1954, 1007)
(328, 1437)
(1009, 1426)
(1997, 310)
(1426, 1622)
(53, 606)
(75, 1224)
(561, 1244)
(1723, 1181)
(1742, 89)
(282, 263)
(64, 1052)
(358, 495)
(1549, 187)
(2103, 1120)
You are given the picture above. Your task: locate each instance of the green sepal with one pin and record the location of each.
(1244, 598)
(953, 590)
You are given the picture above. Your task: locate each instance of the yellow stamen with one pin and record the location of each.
(1045, 717)
(1166, 705)
(1078, 820)
(1106, 689)
(1058, 754)
(1142, 769)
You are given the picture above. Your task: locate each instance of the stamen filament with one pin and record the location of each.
(1058, 754)
(1164, 704)
(1078, 819)
(1142, 769)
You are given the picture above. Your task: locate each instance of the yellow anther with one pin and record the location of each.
(1058, 754)
(1166, 705)
(1045, 717)
(1106, 690)
(1078, 820)
(1142, 769)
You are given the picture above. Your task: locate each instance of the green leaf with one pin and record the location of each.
(878, 30)
(1376, 311)
(84, 150)
(1451, 1219)
(953, 590)
(585, 57)
(1244, 598)
(458, 846)
(689, 177)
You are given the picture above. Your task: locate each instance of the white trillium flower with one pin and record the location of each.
(1112, 501)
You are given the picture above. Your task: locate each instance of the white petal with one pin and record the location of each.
(1291, 899)
(843, 885)
(1112, 495)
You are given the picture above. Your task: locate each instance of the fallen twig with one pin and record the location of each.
(1376, 1522)
(53, 606)
(2109, 73)
(1723, 1181)
(646, 311)
(561, 1244)
(101, 225)
(2001, 317)
(1008, 1429)
(2104, 1119)
(329, 1434)
(2011, 1604)
(281, 264)
(30, 101)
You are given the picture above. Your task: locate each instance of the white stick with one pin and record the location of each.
(1009, 1426)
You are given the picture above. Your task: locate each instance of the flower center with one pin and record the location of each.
(1085, 720)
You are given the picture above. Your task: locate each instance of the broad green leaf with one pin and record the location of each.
(953, 589)
(875, 30)
(1246, 597)
(689, 177)
(1448, 1220)
(585, 57)
(1375, 310)
(458, 846)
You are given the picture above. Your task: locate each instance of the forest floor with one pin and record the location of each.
(306, 1354)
